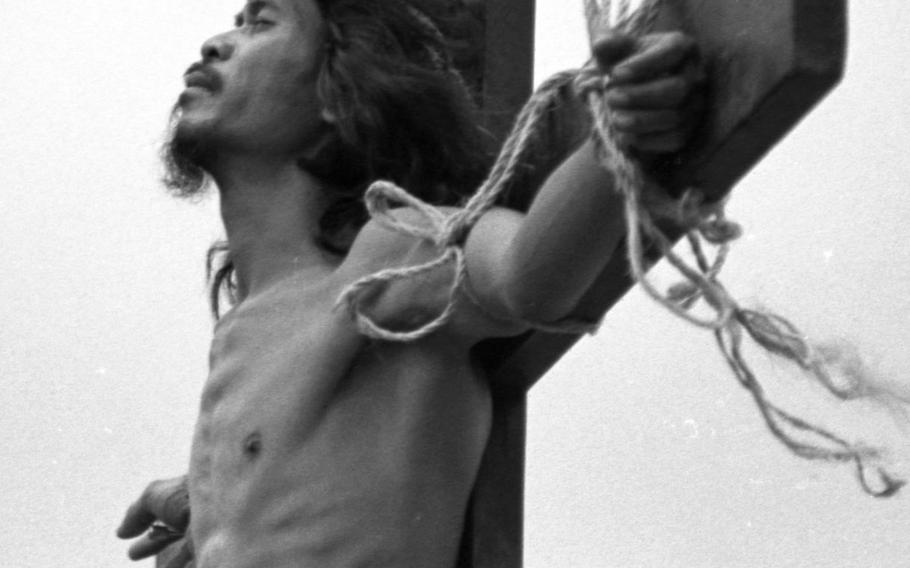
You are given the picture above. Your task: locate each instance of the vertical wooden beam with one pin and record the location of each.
(494, 528)
(508, 68)
(494, 525)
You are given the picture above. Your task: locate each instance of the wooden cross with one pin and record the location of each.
(769, 63)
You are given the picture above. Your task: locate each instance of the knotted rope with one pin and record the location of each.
(449, 231)
(708, 224)
(704, 223)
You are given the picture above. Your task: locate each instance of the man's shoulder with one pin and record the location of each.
(405, 236)
(403, 240)
(395, 240)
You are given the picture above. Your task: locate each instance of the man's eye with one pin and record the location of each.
(253, 23)
(256, 24)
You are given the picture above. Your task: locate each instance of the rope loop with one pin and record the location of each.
(379, 198)
(707, 223)
(450, 231)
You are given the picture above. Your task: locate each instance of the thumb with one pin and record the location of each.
(610, 48)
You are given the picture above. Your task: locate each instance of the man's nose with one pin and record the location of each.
(217, 48)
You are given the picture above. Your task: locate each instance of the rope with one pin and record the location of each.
(708, 224)
(704, 223)
(449, 231)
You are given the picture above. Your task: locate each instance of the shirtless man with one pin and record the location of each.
(315, 446)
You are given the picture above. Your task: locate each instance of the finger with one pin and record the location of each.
(138, 518)
(166, 500)
(659, 54)
(610, 48)
(647, 122)
(665, 93)
(151, 544)
(169, 500)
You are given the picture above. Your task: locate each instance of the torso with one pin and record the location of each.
(316, 447)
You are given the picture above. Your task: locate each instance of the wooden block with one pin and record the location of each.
(769, 63)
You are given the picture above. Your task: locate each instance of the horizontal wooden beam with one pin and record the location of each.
(769, 63)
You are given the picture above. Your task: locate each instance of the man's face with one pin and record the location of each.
(254, 90)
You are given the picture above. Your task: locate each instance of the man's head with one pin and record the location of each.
(254, 91)
(354, 90)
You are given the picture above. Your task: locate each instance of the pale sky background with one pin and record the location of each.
(643, 450)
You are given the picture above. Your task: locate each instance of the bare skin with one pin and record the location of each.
(315, 446)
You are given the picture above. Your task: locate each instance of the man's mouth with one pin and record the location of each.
(202, 77)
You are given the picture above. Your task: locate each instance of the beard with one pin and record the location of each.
(182, 156)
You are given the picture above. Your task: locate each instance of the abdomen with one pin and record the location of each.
(377, 473)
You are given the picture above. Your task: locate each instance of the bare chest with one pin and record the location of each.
(269, 355)
(305, 424)
(295, 368)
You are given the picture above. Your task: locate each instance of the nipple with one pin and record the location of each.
(252, 446)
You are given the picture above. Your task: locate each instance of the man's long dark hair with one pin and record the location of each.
(403, 114)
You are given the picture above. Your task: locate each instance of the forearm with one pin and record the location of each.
(572, 229)
(540, 265)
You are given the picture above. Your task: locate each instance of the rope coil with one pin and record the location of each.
(705, 224)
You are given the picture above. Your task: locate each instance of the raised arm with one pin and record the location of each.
(537, 266)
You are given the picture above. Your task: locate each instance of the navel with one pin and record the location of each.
(252, 445)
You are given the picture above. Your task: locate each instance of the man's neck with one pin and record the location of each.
(271, 211)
